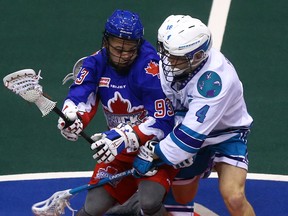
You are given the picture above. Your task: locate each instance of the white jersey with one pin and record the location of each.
(209, 106)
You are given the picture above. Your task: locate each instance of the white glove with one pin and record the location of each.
(113, 142)
(72, 131)
(186, 163)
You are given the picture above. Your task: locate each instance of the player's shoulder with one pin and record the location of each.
(209, 84)
(217, 77)
(147, 53)
(96, 62)
(146, 65)
(99, 57)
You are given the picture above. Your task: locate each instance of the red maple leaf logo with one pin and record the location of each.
(152, 68)
(119, 105)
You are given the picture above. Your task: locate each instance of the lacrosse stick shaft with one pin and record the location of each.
(101, 182)
(82, 133)
(107, 180)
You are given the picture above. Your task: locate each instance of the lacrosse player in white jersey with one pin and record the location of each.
(189, 175)
(204, 87)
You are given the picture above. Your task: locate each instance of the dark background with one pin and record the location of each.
(52, 35)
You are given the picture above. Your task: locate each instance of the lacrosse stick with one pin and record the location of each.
(26, 84)
(56, 204)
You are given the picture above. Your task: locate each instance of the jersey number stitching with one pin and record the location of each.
(201, 113)
(161, 108)
(83, 74)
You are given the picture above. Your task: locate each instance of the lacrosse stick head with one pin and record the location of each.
(54, 205)
(26, 84)
(76, 69)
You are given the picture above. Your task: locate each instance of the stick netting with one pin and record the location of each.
(54, 206)
(26, 84)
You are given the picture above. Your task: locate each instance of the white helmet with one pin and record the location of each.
(169, 23)
(185, 40)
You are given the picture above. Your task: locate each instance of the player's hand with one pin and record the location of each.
(113, 142)
(143, 164)
(186, 163)
(71, 131)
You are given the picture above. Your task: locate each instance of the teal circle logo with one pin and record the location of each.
(209, 84)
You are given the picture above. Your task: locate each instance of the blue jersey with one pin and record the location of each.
(136, 97)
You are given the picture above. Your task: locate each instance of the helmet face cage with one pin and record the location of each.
(123, 54)
(160, 47)
(175, 68)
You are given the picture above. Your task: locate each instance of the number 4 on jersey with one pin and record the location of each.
(201, 113)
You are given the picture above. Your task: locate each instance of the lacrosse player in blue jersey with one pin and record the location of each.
(124, 77)
(204, 88)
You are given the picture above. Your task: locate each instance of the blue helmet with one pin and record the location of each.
(124, 24)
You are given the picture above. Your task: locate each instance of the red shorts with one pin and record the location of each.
(124, 188)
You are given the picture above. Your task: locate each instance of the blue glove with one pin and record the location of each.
(143, 164)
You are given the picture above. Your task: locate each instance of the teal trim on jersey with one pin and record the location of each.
(182, 145)
(209, 84)
(192, 133)
(187, 139)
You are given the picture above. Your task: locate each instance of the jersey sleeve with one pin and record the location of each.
(83, 92)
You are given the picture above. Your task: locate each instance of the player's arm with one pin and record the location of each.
(157, 123)
(81, 104)
(186, 138)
